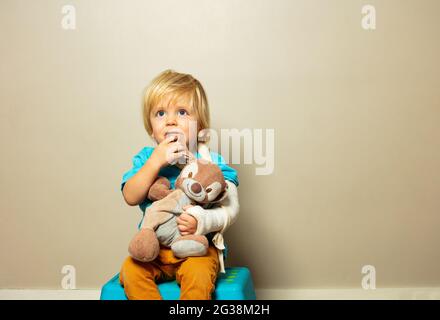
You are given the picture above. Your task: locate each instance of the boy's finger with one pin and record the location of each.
(171, 138)
(186, 223)
(177, 147)
(173, 157)
(181, 154)
(187, 217)
(181, 221)
(172, 148)
(167, 140)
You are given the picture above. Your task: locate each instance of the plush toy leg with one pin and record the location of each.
(190, 246)
(144, 246)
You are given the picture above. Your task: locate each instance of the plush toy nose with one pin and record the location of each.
(196, 187)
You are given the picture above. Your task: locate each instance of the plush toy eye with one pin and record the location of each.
(189, 171)
(213, 190)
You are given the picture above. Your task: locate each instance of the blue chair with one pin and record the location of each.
(235, 284)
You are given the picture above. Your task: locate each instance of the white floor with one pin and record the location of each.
(264, 294)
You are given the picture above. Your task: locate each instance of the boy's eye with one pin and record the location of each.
(182, 112)
(160, 113)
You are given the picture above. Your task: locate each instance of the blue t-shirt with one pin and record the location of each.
(172, 172)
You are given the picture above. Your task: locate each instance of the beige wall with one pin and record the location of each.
(356, 116)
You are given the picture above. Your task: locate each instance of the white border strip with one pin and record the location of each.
(36, 294)
(264, 294)
(350, 294)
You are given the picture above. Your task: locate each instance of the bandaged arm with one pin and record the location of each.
(218, 218)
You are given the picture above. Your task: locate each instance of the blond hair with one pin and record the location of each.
(170, 82)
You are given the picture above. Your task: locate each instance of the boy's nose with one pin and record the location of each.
(171, 120)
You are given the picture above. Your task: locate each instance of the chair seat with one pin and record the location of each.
(235, 284)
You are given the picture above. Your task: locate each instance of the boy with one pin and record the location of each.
(173, 101)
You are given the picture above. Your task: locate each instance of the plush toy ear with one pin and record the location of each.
(221, 196)
(204, 135)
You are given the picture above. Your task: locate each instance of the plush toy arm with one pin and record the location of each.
(159, 189)
(217, 218)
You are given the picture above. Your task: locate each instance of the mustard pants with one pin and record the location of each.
(195, 275)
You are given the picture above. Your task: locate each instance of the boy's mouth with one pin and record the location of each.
(177, 133)
(174, 132)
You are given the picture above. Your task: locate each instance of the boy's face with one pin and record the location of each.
(172, 116)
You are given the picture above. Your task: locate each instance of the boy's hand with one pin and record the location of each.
(186, 223)
(168, 152)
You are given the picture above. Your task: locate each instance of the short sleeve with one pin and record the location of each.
(138, 161)
(229, 173)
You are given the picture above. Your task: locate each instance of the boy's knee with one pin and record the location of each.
(200, 270)
(129, 265)
(133, 270)
(197, 280)
(138, 280)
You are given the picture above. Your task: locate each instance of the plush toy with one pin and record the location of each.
(200, 183)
